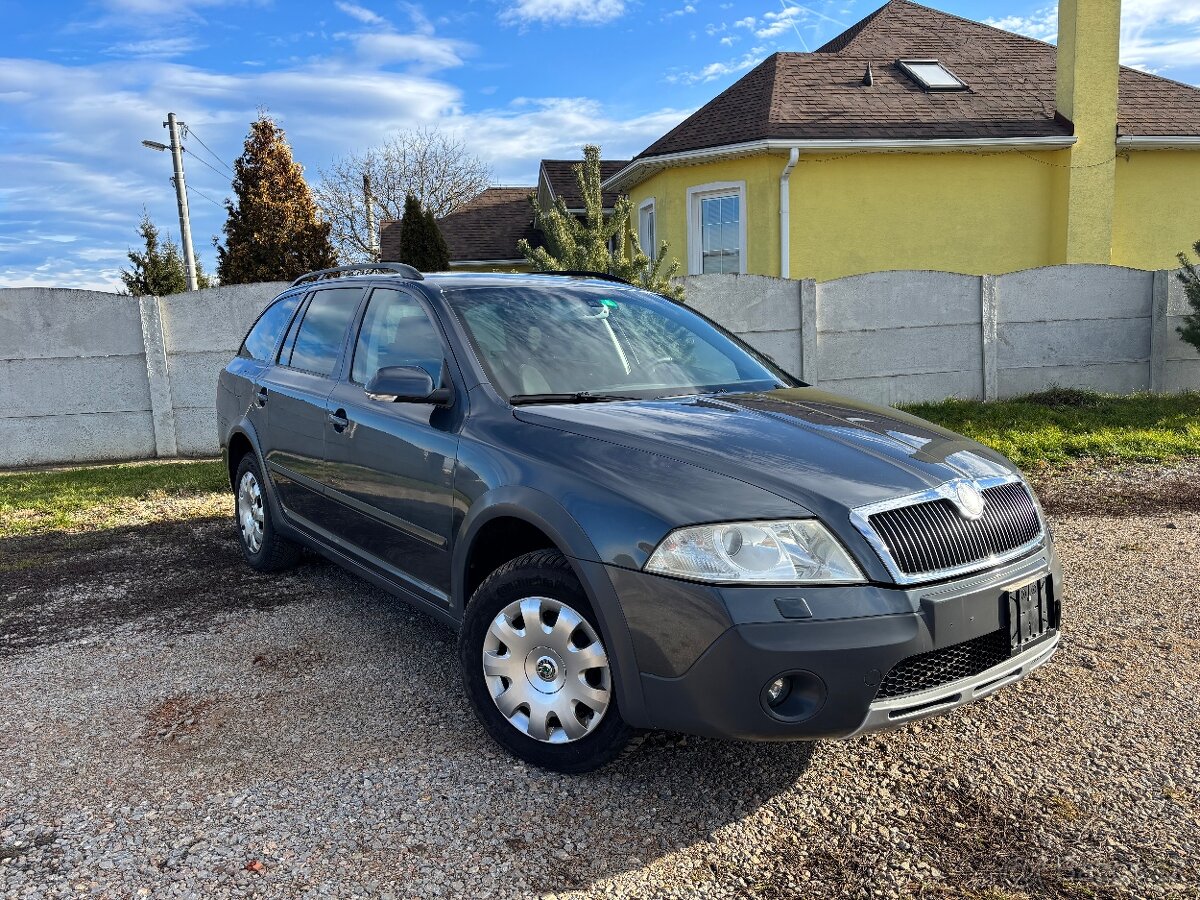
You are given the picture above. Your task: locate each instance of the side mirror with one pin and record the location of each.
(406, 384)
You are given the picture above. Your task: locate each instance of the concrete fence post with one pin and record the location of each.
(162, 408)
(808, 331)
(988, 314)
(1160, 331)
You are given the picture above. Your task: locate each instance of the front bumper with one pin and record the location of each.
(705, 654)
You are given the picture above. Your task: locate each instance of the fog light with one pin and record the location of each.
(777, 691)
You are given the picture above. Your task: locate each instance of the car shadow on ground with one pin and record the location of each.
(321, 692)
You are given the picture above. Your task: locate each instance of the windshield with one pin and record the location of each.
(579, 342)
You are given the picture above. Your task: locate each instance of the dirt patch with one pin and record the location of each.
(167, 575)
(1125, 490)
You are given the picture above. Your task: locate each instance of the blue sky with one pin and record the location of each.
(82, 83)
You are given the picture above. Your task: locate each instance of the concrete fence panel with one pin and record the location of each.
(73, 382)
(1081, 326)
(901, 337)
(1181, 361)
(763, 311)
(202, 330)
(93, 376)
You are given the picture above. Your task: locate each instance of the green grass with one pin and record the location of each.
(1060, 426)
(98, 496)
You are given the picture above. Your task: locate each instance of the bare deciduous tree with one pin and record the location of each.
(425, 162)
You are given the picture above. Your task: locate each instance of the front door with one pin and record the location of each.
(293, 394)
(391, 465)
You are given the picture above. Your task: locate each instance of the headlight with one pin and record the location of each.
(796, 552)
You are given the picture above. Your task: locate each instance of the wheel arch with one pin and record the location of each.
(536, 510)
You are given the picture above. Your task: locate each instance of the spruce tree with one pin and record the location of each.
(575, 245)
(159, 270)
(273, 232)
(421, 243)
(1190, 276)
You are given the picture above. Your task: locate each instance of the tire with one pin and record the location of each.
(262, 546)
(536, 698)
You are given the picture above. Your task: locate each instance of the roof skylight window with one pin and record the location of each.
(932, 75)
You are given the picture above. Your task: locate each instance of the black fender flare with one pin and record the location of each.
(246, 429)
(547, 514)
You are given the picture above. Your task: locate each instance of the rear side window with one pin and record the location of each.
(319, 339)
(396, 332)
(265, 333)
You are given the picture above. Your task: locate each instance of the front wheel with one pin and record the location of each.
(536, 669)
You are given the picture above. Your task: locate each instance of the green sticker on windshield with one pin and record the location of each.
(609, 302)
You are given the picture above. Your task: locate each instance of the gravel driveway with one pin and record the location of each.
(172, 724)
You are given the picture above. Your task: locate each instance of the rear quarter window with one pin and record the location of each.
(264, 334)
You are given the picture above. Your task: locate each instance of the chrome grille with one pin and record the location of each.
(937, 667)
(932, 537)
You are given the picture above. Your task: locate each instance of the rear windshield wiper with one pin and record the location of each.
(567, 397)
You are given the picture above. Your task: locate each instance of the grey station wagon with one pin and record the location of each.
(633, 520)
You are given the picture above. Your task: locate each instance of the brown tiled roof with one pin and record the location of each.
(1011, 92)
(486, 228)
(561, 176)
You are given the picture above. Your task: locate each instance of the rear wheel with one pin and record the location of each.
(536, 668)
(262, 545)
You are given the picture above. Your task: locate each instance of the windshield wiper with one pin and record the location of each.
(567, 397)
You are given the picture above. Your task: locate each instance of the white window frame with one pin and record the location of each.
(695, 241)
(650, 249)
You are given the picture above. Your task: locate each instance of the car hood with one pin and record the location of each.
(823, 451)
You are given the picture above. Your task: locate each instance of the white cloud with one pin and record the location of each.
(686, 10)
(1159, 35)
(1041, 23)
(155, 48)
(716, 70)
(364, 15)
(748, 22)
(589, 12)
(386, 48)
(728, 40)
(778, 23)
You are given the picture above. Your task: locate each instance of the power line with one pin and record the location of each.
(192, 133)
(201, 159)
(205, 196)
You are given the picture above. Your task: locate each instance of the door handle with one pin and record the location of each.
(260, 396)
(339, 420)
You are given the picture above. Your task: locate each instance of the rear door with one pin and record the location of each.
(293, 392)
(391, 465)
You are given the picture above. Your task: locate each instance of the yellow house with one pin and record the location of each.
(921, 140)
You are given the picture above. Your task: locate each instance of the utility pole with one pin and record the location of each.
(185, 221)
(369, 200)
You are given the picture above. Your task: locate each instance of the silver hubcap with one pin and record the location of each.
(250, 512)
(546, 670)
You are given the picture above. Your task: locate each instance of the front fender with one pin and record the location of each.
(547, 514)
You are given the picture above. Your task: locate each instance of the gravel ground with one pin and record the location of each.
(172, 724)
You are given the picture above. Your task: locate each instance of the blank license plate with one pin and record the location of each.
(1030, 608)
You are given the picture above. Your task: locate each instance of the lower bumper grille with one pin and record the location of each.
(937, 667)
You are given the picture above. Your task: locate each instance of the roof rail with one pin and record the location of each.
(362, 269)
(582, 273)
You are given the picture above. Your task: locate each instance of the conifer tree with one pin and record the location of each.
(583, 245)
(1190, 276)
(421, 243)
(158, 270)
(273, 232)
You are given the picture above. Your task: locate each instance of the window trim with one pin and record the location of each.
(906, 66)
(649, 203)
(694, 234)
